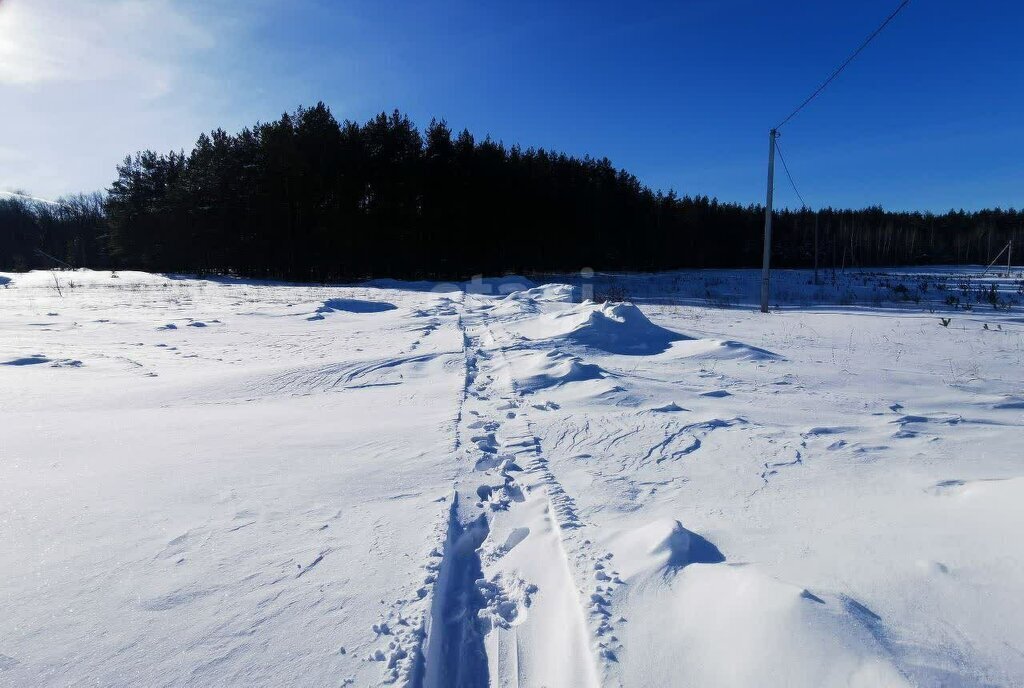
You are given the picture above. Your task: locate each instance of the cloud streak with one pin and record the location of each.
(86, 82)
(142, 44)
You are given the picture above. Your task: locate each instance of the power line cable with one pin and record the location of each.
(841, 67)
(792, 183)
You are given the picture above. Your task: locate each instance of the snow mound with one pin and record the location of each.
(528, 301)
(738, 350)
(514, 308)
(670, 407)
(725, 350)
(553, 369)
(681, 547)
(616, 328)
(734, 625)
(556, 293)
(351, 306)
(661, 546)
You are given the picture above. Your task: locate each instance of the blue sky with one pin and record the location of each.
(681, 93)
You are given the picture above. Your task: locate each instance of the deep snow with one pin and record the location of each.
(230, 482)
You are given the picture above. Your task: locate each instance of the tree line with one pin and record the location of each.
(307, 198)
(37, 234)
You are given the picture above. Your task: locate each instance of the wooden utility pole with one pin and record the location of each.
(773, 134)
(767, 260)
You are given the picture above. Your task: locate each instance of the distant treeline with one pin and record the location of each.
(35, 234)
(307, 198)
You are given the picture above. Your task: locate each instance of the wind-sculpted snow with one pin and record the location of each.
(238, 482)
(619, 328)
(671, 546)
(722, 623)
(536, 371)
(561, 293)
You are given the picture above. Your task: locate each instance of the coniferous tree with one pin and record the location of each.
(305, 197)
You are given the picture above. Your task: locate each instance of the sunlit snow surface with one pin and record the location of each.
(227, 482)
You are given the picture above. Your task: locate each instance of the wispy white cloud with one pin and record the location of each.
(85, 82)
(138, 43)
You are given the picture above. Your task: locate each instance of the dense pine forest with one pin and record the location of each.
(306, 198)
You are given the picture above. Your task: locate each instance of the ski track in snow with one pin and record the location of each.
(511, 489)
(386, 485)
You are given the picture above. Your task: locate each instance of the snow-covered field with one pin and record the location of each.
(223, 482)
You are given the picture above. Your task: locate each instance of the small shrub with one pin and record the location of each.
(992, 296)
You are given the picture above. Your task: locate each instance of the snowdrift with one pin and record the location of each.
(537, 372)
(530, 301)
(554, 293)
(721, 624)
(847, 506)
(616, 328)
(724, 350)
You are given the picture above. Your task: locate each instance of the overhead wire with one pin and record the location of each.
(835, 73)
(843, 66)
(792, 183)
